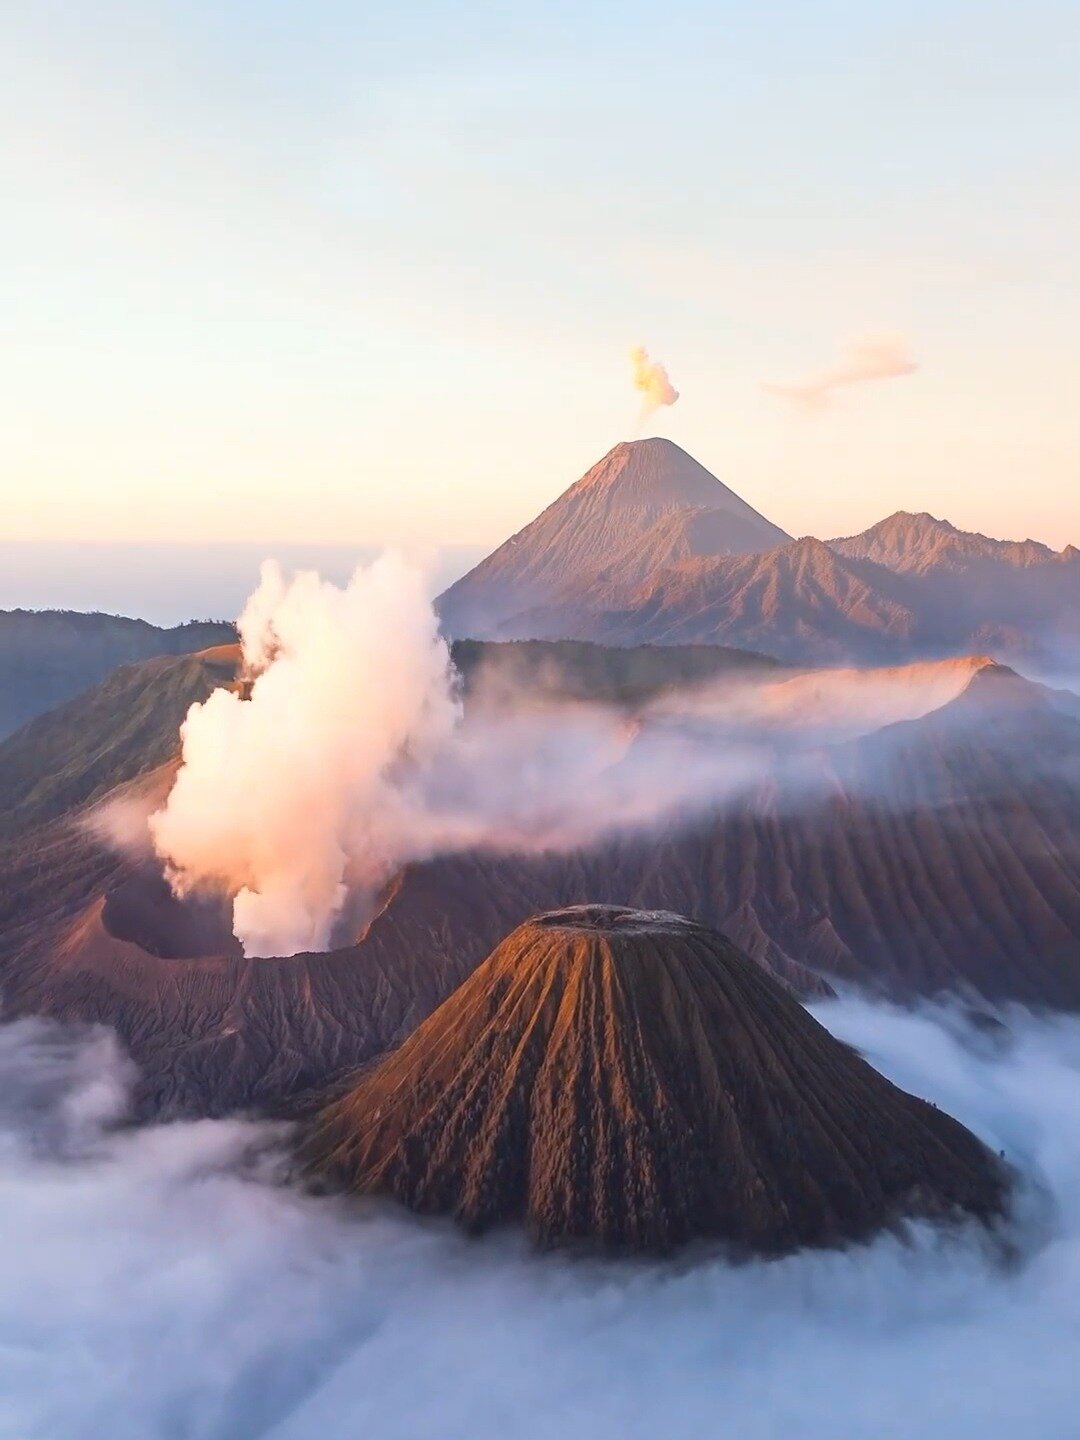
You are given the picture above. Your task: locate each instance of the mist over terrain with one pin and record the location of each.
(345, 754)
(164, 1281)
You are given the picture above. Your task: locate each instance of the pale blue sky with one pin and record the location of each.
(339, 273)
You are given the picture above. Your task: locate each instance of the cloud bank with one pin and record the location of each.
(164, 1282)
(881, 357)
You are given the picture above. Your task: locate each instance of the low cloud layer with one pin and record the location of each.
(165, 1282)
(651, 381)
(880, 357)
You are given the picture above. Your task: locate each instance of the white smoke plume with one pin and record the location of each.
(280, 798)
(881, 357)
(651, 379)
(351, 757)
(162, 1282)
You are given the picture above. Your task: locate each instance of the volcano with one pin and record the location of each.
(649, 548)
(629, 1080)
(645, 505)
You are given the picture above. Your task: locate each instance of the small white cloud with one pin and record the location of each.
(880, 357)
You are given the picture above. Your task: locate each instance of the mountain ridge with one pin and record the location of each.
(910, 587)
(49, 656)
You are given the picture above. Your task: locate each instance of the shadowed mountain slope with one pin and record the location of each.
(629, 1080)
(48, 656)
(124, 726)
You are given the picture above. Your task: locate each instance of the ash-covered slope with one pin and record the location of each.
(629, 1080)
(645, 505)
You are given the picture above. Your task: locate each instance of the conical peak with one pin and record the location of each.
(656, 474)
(630, 1080)
(657, 445)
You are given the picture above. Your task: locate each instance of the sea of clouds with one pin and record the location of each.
(167, 1283)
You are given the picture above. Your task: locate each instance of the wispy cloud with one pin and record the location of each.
(875, 357)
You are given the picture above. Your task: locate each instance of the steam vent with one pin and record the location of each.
(628, 1081)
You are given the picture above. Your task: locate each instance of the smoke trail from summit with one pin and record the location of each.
(651, 379)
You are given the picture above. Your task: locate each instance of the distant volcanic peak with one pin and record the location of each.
(659, 475)
(645, 506)
(905, 526)
(914, 520)
(630, 1081)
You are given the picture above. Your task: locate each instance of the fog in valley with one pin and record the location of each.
(169, 1281)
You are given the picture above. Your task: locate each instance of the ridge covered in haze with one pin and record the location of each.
(650, 548)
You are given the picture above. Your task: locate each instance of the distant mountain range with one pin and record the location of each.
(649, 547)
